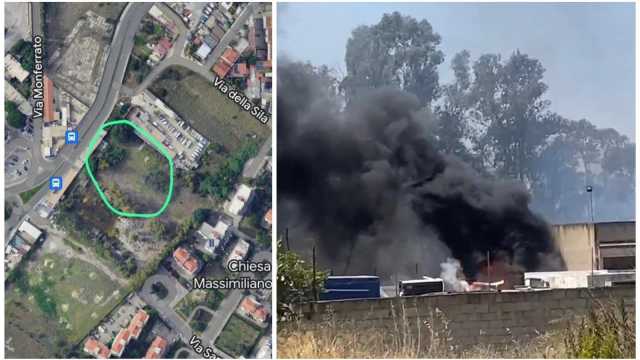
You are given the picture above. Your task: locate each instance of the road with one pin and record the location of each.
(176, 58)
(98, 113)
(229, 305)
(165, 306)
(254, 165)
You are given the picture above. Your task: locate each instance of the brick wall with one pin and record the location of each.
(469, 318)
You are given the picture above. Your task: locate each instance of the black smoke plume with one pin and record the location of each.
(366, 186)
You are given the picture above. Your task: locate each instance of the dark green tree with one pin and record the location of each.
(398, 51)
(14, 117)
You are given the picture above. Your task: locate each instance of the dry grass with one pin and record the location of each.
(606, 331)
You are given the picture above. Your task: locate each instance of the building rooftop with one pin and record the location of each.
(268, 217)
(14, 69)
(251, 307)
(221, 68)
(188, 262)
(240, 251)
(157, 348)
(203, 51)
(230, 55)
(29, 229)
(120, 342)
(137, 323)
(96, 348)
(49, 110)
(240, 199)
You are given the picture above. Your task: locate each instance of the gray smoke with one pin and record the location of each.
(366, 186)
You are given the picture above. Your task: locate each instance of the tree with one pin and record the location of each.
(159, 289)
(451, 114)
(295, 279)
(507, 100)
(8, 210)
(398, 51)
(123, 133)
(200, 216)
(14, 117)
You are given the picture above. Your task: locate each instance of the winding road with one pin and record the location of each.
(106, 98)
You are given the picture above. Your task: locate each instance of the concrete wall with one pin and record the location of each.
(613, 240)
(575, 242)
(469, 318)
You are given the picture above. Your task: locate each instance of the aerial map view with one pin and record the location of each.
(138, 180)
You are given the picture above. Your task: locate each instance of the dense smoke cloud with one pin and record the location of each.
(368, 188)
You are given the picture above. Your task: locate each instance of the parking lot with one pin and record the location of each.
(17, 163)
(184, 143)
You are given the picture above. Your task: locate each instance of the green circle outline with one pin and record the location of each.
(157, 145)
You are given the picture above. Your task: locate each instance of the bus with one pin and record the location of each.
(350, 287)
(420, 286)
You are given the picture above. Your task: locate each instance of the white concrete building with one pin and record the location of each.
(240, 199)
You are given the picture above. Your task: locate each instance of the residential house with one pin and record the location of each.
(214, 236)
(240, 251)
(225, 62)
(240, 200)
(268, 218)
(186, 261)
(132, 331)
(252, 308)
(157, 348)
(13, 69)
(96, 348)
(203, 51)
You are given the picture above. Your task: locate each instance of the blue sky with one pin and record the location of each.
(588, 50)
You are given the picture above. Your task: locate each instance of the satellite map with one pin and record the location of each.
(138, 180)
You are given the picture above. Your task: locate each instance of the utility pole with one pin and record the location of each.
(489, 267)
(286, 238)
(589, 190)
(313, 280)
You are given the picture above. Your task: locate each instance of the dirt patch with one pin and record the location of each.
(60, 18)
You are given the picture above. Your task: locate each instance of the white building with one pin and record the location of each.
(13, 69)
(214, 236)
(240, 251)
(27, 228)
(240, 199)
(203, 51)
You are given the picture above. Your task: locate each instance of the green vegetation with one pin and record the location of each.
(220, 184)
(158, 179)
(124, 134)
(209, 111)
(200, 320)
(160, 290)
(25, 196)
(14, 117)
(23, 52)
(139, 40)
(159, 229)
(207, 298)
(112, 156)
(201, 215)
(8, 209)
(184, 231)
(137, 70)
(73, 293)
(238, 337)
(295, 280)
(85, 219)
(607, 332)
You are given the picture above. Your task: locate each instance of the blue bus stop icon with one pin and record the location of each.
(55, 183)
(71, 137)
